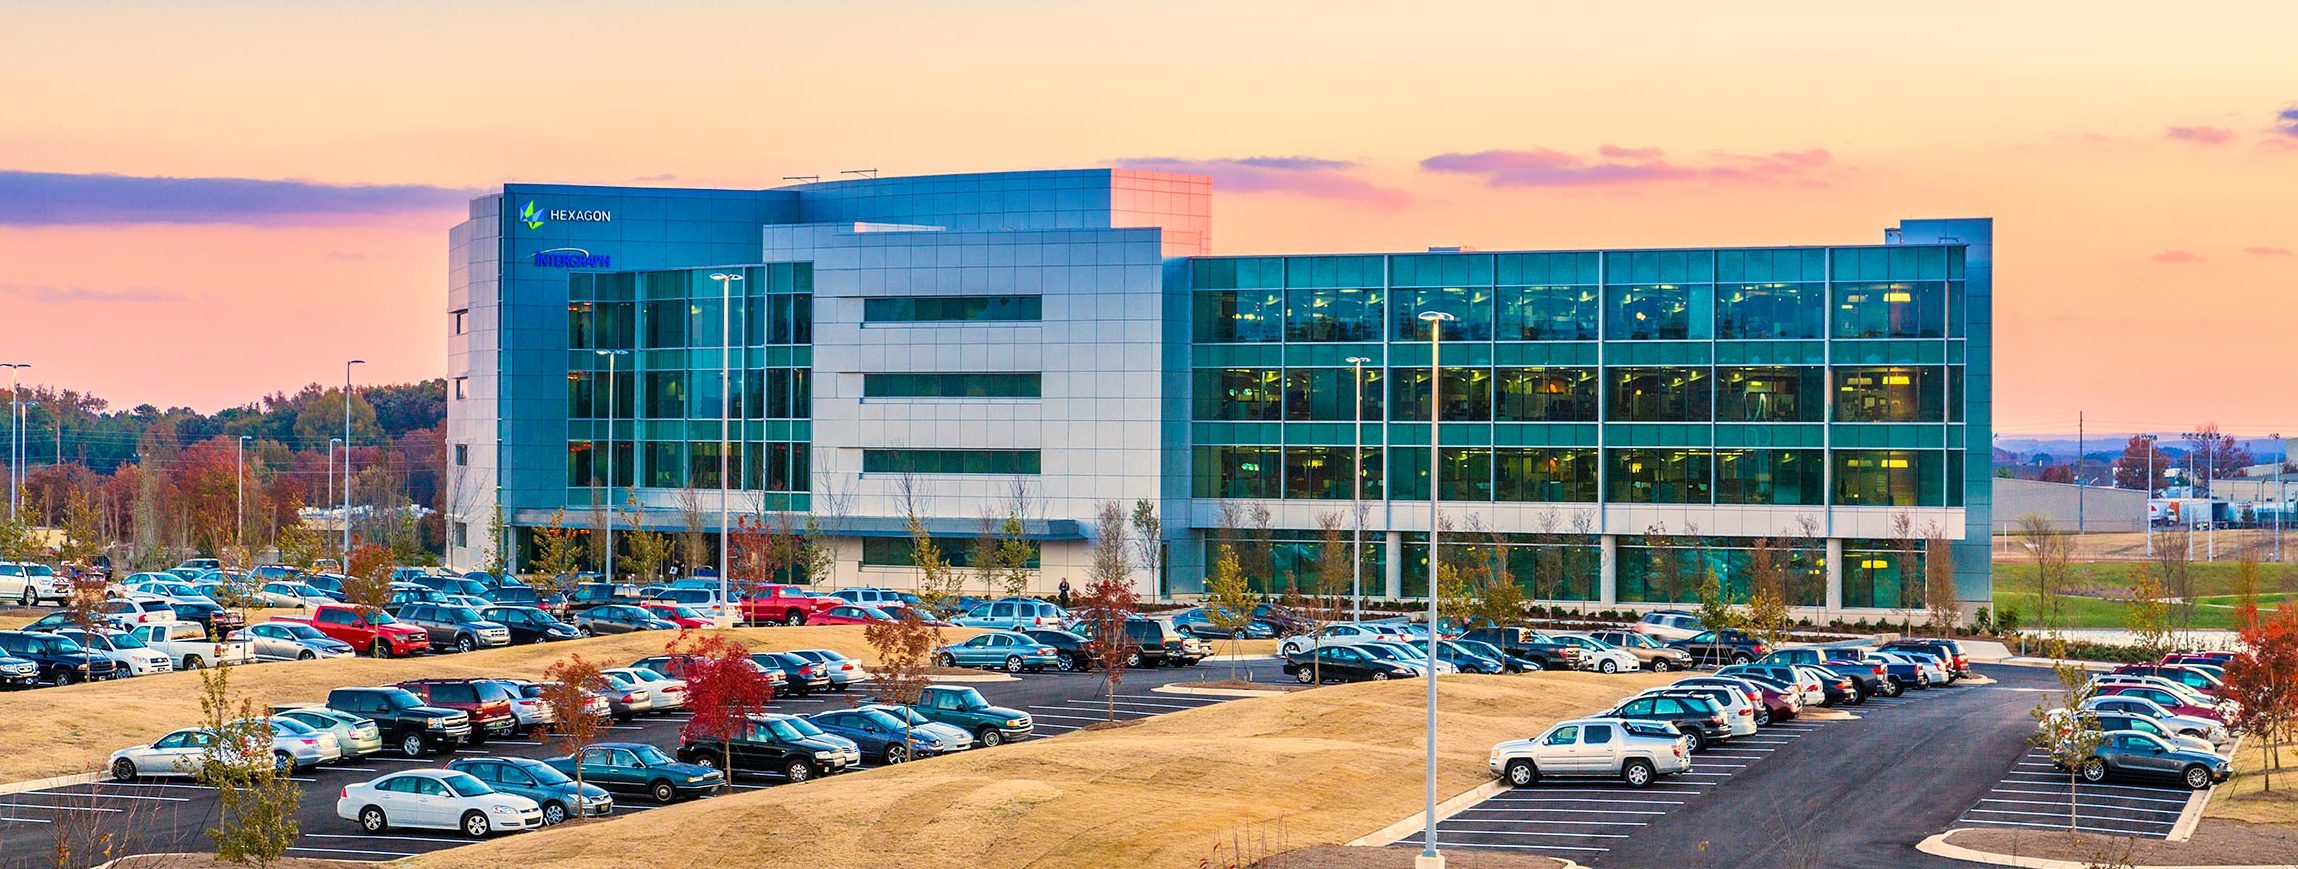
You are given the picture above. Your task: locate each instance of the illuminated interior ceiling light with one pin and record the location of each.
(1898, 296)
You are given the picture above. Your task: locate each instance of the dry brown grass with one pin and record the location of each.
(1333, 764)
(2245, 797)
(71, 729)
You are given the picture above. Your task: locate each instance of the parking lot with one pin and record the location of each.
(2036, 795)
(172, 815)
(1804, 793)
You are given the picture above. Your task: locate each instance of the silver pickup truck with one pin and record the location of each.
(1638, 752)
(188, 645)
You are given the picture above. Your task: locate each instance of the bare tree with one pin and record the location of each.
(2053, 552)
(1908, 541)
(694, 531)
(1149, 542)
(1939, 592)
(938, 582)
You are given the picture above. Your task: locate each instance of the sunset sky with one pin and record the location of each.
(2141, 159)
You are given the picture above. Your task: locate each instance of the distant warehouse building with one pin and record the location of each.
(1614, 423)
(2093, 509)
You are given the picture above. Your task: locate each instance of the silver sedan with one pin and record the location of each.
(273, 641)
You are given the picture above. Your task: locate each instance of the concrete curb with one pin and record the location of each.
(1937, 846)
(1417, 821)
(1216, 692)
(2191, 816)
(985, 677)
(1818, 714)
(52, 782)
(1227, 658)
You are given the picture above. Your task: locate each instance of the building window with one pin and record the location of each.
(1661, 476)
(1896, 394)
(459, 321)
(1545, 395)
(600, 325)
(1325, 394)
(1470, 307)
(666, 464)
(1239, 394)
(978, 384)
(1240, 316)
(666, 394)
(1333, 314)
(1769, 395)
(1546, 475)
(462, 532)
(1661, 395)
(1771, 477)
(1467, 394)
(951, 461)
(462, 455)
(1467, 473)
(953, 309)
(955, 551)
(462, 388)
(1321, 473)
(1883, 574)
(1238, 472)
(1657, 312)
(1771, 311)
(1891, 478)
(1898, 309)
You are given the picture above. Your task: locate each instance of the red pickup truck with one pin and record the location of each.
(378, 633)
(782, 604)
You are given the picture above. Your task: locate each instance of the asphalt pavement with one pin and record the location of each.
(173, 815)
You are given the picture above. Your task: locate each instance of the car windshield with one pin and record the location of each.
(292, 726)
(401, 698)
(458, 615)
(650, 755)
(968, 698)
(779, 728)
(544, 773)
(128, 641)
(880, 718)
(465, 785)
(380, 617)
(41, 570)
(902, 715)
(676, 610)
(805, 727)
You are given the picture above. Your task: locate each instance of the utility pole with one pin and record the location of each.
(2078, 474)
(1429, 857)
(15, 434)
(346, 553)
(2146, 510)
(725, 440)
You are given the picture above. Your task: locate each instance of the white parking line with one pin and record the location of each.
(103, 796)
(405, 759)
(1537, 847)
(1563, 811)
(1580, 790)
(2063, 795)
(515, 742)
(2091, 806)
(1736, 750)
(1441, 826)
(2060, 779)
(349, 851)
(1720, 763)
(57, 808)
(1104, 702)
(25, 821)
(1516, 799)
(1708, 774)
(149, 784)
(439, 839)
(1535, 833)
(353, 769)
(2062, 815)
(1035, 715)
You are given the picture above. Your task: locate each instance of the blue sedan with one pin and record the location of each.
(1196, 622)
(1005, 650)
(881, 735)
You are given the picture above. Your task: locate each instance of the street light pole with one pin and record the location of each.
(15, 433)
(2147, 510)
(1429, 858)
(613, 390)
(1356, 499)
(725, 439)
(2281, 457)
(346, 552)
(331, 442)
(239, 468)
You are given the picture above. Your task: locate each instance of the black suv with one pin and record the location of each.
(1075, 655)
(1697, 717)
(403, 719)
(1727, 646)
(598, 594)
(1154, 644)
(773, 743)
(61, 660)
(529, 624)
(460, 628)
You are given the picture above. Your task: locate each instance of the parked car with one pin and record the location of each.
(1151, 643)
(438, 799)
(558, 796)
(459, 628)
(31, 584)
(610, 619)
(515, 596)
(130, 654)
(883, 598)
(287, 641)
(1727, 646)
(782, 604)
(1340, 634)
(1949, 653)
(685, 617)
(1013, 614)
(453, 584)
(1774, 702)
(486, 701)
(1936, 673)
(681, 666)
(598, 594)
(2129, 754)
(1697, 718)
(330, 585)
(637, 767)
(183, 753)
(1414, 655)
(2177, 689)
(526, 624)
(2213, 732)
(296, 745)
(1598, 655)
(58, 660)
(376, 632)
(843, 671)
(1344, 664)
(1007, 650)
(198, 564)
(1528, 644)
(139, 610)
(882, 735)
(18, 672)
(1199, 621)
(403, 719)
(1740, 711)
(215, 618)
(2169, 701)
(528, 708)
(850, 614)
(1637, 753)
(1670, 625)
(1508, 663)
(2199, 678)
(1807, 687)
(1467, 659)
(356, 736)
(963, 707)
(1651, 653)
(292, 595)
(665, 693)
(772, 743)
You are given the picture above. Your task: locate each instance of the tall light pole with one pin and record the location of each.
(346, 554)
(725, 439)
(239, 468)
(1429, 858)
(331, 442)
(2281, 457)
(1356, 498)
(613, 389)
(2204, 443)
(2147, 510)
(15, 434)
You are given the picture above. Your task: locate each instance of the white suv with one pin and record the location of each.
(1638, 752)
(1670, 625)
(29, 583)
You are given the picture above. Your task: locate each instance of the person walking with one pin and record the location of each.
(1064, 594)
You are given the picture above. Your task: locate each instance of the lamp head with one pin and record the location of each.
(1437, 316)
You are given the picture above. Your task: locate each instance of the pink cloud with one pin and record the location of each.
(1314, 177)
(2177, 257)
(2268, 251)
(1618, 166)
(2201, 135)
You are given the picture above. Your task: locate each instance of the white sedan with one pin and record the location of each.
(292, 595)
(1341, 634)
(666, 693)
(436, 799)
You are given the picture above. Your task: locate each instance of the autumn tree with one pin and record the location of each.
(2264, 680)
(1766, 614)
(567, 688)
(1229, 599)
(2246, 571)
(1907, 541)
(1716, 609)
(2067, 733)
(2142, 466)
(904, 647)
(257, 802)
(1110, 601)
(558, 551)
(2217, 455)
(724, 690)
(938, 581)
(1939, 592)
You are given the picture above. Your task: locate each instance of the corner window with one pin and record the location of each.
(462, 388)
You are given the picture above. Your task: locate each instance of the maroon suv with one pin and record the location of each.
(486, 701)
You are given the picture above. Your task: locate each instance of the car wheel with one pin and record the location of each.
(896, 754)
(1185, 630)
(1064, 664)
(1380, 675)
(1013, 663)
(371, 819)
(193, 662)
(1763, 718)
(1521, 773)
(2197, 777)
(1741, 658)
(793, 618)
(1661, 665)
(1637, 773)
(554, 813)
(1304, 676)
(945, 660)
(2094, 770)
(1132, 659)
(797, 771)
(305, 655)
(989, 737)
(464, 644)
(1607, 667)
(282, 764)
(662, 791)
(411, 745)
(1535, 665)
(1896, 690)
(582, 630)
(123, 770)
(382, 649)
(475, 825)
